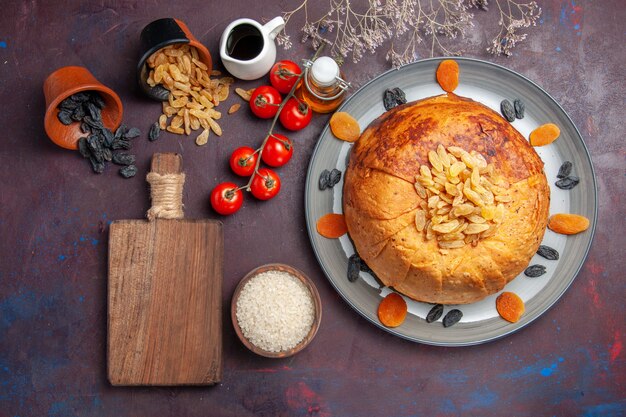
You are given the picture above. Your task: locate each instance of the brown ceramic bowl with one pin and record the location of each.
(316, 302)
(61, 84)
(157, 35)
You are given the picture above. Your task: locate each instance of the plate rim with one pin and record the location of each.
(513, 327)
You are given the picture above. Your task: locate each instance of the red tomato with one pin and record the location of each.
(264, 101)
(265, 184)
(277, 151)
(226, 198)
(295, 115)
(243, 160)
(284, 74)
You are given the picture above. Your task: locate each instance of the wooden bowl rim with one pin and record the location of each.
(316, 302)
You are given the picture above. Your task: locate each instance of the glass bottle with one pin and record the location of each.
(322, 86)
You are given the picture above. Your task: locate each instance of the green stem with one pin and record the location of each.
(273, 125)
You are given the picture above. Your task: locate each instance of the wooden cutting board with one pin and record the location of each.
(165, 298)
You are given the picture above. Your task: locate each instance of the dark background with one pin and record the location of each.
(54, 216)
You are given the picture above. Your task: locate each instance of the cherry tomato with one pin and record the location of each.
(264, 101)
(295, 115)
(277, 151)
(243, 160)
(265, 184)
(226, 198)
(284, 75)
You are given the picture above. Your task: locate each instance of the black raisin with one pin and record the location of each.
(108, 137)
(452, 317)
(519, 107)
(567, 183)
(132, 133)
(335, 177)
(107, 155)
(400, 96)
(535, 271)
(389, 100)
(393, 97)
(434, 313)
(78, 114)
(507, 110)
(93, 143)
(324, 179)
(98, 167)
(94, 111)
(97, 100)
(123, 158)
(85, 128)
(81, 97)
(160, 92)
(121, 144)
(83, 148)
(65, 117)
(128, 171)
(101, 138)
(565, 170)
(354, 267)
(155, 131)
(365, 267)
(121, 131)
(68, 104)
(86, 107)
(96, 124)
(548, 253)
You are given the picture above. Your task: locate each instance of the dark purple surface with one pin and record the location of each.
(54, 215)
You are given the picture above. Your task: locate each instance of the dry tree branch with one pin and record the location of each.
(351, 30)
(513, 17)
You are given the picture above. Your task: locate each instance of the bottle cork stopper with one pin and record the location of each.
(325, 71)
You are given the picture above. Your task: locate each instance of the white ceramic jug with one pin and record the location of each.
(247, 48)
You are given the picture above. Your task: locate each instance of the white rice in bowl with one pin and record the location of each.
(275, 311)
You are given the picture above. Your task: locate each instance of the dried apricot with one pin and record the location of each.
(392, 310)
(568, 224)
(332, 225)
(510, 307)
(345, 127)
(544, 134)
(448, 75)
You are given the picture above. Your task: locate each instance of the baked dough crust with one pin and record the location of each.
(380, 201)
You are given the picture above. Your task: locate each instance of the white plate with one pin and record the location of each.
(489, 84)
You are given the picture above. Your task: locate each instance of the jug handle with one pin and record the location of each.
(273, 27)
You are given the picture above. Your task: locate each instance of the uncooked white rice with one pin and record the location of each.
(275, 311)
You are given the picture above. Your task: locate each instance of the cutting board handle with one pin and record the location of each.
(166, 178)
